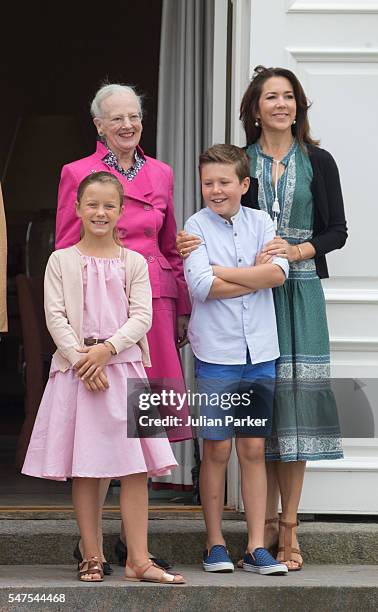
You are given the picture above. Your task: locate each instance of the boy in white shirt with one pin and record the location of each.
(233, 335)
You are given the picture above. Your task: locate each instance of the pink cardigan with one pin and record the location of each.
(64, 306)
(147, 225)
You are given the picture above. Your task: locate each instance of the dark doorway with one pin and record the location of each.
(54, 56)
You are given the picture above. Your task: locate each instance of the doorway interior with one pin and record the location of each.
(51, 65)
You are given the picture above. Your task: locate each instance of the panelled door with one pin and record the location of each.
(333, 48)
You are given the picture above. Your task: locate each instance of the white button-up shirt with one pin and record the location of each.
(222, 330)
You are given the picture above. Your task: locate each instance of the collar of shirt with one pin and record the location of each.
(222, 220)
(111, 160)
(284, 160)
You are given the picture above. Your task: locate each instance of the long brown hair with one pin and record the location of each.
(250, 105)
(102, 177)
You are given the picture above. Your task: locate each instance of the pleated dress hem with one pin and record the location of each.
(291, 458)
(163, 471)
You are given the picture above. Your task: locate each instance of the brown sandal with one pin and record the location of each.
(90, 567)
(287, 548)
(140, 574)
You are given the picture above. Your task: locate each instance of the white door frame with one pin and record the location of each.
(241, 12)
(239, 78)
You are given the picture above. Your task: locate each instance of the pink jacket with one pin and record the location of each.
(64, 305)
(147, 225)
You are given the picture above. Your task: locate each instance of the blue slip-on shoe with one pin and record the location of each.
(217, 560)
(261, 561)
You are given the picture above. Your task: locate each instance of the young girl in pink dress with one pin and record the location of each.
(98, 310)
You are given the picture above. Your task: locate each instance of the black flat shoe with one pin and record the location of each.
(121, 552)
(107, 568)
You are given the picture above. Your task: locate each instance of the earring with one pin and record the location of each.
(257, 123)
(294, 122)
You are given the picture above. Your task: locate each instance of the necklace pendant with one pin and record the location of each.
(275, 224)
(276, 207)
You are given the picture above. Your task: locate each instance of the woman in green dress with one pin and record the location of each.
(297, 183)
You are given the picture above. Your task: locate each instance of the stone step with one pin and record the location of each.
(336, 588)
(182, 541)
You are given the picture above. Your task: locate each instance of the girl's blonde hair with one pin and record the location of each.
(102, 178)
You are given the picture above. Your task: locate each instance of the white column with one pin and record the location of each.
(239, 80)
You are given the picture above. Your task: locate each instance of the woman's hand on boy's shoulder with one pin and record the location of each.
(186, 243)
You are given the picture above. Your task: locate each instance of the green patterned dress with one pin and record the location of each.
(305, 424)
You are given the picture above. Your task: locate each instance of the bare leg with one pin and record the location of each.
(103, 491)
(134, 510)
(290, 478)
(122, 535)
(254, 487)
(216, 454)
(85, 501)
(273, 492)
(103, 486)
(272, 500)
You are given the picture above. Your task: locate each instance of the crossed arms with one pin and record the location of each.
(219, 282)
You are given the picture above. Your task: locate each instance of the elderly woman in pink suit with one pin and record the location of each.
(147, 224)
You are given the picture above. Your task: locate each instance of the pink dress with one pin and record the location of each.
(83, 433)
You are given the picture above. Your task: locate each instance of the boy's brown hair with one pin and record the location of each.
(227, 154)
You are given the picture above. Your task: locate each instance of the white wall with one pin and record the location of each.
(333, 48)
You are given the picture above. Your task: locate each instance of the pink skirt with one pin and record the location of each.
(79, 433)
(165, 359)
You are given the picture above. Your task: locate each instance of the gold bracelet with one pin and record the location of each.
(300, 252)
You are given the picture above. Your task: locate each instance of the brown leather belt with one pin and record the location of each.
(94, 341)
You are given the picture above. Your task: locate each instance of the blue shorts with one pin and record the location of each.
(235, 400)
